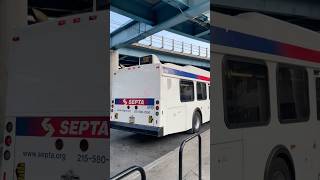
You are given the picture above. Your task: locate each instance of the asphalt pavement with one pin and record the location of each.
(128, 149)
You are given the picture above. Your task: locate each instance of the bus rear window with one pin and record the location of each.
(246, 94)
(293, 96)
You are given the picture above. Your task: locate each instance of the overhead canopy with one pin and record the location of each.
(185, 17)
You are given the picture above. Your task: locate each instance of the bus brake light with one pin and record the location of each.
(92, 18)
(8, 140)
(62, 22)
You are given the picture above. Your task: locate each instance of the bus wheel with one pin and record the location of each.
(196, 122)
(279, 170)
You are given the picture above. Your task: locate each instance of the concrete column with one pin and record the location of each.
(114, 58)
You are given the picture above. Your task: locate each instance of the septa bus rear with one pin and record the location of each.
(57, 125)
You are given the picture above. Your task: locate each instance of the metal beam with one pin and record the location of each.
(310, 9)
(203, 33)
(139, 31)
(131, 15)
(180, 4)
(133, 32)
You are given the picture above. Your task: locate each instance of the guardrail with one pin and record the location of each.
(176, 46)
(129, 171)
(181, 155)
(168, 43)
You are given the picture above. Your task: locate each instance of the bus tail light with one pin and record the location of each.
(6, 155)
(112, 105)
(9, 127)
(92, 18)
(157, 107)
(76, 20)
(62, 22)
(8, 140)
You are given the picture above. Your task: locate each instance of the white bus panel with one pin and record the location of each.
(160, 99)
(265, 108)
(56, 124)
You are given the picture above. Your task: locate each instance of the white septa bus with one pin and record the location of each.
(159, 99)
(266, 99)
(56, 126)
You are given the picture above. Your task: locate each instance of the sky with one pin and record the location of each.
(117, 20)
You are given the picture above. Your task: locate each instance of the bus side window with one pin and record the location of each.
(318, 97)
(201, 91)
(186, 91)
(246, 94)
(293, 96)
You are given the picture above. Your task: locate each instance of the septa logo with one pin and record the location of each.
(81, 128)
(85, 127)
(135, 101)
(125, 101)
(47, 127)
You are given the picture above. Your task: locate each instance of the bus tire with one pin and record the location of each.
(279, 161)
(196, 122)
(279, 170)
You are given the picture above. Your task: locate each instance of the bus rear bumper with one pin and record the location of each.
(136, 128)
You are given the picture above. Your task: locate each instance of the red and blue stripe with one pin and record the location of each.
(185, 74)
(244, 41)
(135, 101)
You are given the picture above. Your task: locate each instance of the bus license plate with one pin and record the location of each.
(131, 119)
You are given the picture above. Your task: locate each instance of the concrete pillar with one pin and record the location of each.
(114, 58)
